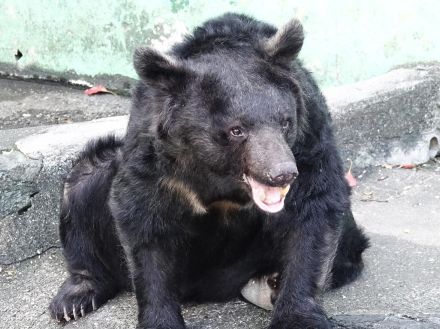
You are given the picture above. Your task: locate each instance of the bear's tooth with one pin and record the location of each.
(285, 190)
(262, 195)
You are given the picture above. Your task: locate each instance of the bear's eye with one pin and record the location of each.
(285, 125)
(237, 132)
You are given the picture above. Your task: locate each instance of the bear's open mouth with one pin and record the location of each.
(267, 198)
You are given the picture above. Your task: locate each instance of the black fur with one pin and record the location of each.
(166, 210)
(348, 261)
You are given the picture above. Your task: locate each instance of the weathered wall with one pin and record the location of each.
(346, 40)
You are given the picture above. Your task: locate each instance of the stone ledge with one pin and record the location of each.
(393, 118)
(32, 174)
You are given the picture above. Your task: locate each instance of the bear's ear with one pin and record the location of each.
(159, 70)
(284, 46)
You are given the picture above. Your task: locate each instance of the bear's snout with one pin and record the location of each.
(283, 174)
(270, 159)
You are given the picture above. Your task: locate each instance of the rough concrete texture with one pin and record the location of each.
(394, 118)
(31, 174)
(25, 103)
(399, 288)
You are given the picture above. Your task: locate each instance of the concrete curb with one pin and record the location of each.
(32, 174)
(393, 118)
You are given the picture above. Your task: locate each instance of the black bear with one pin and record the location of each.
(228, 173)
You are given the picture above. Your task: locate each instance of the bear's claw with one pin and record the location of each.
(75, 299)
(66, 316)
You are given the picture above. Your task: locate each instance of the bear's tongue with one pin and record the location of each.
(267, 198)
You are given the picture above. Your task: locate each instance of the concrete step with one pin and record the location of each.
(31, 175)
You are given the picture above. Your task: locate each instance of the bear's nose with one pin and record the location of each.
(284, 173)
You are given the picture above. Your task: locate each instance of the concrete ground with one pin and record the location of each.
(400, 287)
(30, 104)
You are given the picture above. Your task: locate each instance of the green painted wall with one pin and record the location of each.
(346, 40)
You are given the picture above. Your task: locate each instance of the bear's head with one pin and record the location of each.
(228, 112)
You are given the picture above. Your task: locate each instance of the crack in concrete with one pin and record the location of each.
(25, 208)
(37, 319)
(366, 324)
(30, 257)
(341, 325)
(29, 205)
(369, 321)
(414, 318)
